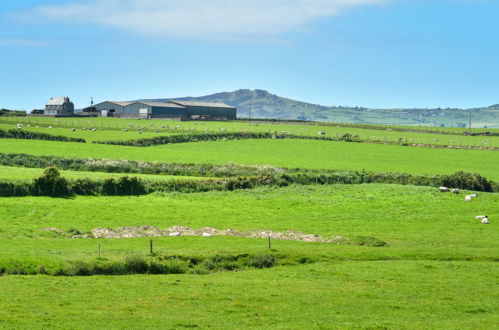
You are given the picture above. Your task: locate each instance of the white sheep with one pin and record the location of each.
(443, 189)
(485, 221)
(480, 216)
(455, 191)
(468, 198)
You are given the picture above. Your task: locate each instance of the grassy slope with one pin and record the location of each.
(409, 284)
(291, 153)
(342, 295)
(9, 173)
(109, 131)
(409, 218)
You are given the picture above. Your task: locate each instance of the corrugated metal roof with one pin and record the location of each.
(202, 104)
(122, 103)
(163, 105)
(58, 100)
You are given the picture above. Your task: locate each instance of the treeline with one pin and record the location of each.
(51, 183)
(22, 134)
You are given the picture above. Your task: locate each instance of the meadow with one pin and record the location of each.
(436, 271)
(111, 129)
(11, 173)
(286, 153)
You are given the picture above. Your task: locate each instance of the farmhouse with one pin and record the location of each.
(174, 110)
(59, 106)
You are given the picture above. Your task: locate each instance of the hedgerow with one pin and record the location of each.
(52, 184)
(28, 135)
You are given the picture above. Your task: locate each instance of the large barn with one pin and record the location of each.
(174, 110)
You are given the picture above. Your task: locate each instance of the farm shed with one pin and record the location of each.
(174, 110)
(147, 110)
(207, 110)
(111, 108)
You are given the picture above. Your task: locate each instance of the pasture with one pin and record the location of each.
(285, 153)
(437, 270)
(111, 129)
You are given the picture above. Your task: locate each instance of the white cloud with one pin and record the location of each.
(199, 19)
(24, 42)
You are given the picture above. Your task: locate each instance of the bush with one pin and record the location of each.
(50, 183)
(84, 187)
(263, 261)
(470, 181)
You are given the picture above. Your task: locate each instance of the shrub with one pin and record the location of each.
(84, 187)
(470, 181)
(136, 265)
(50, 183)
(263, 261)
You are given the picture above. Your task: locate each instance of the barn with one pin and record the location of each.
(173, 110)
(207, 110)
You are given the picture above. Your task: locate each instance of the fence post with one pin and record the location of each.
(150, 246)
(270, 247)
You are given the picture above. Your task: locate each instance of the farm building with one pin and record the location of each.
(207, 110)
(174, 110)
(59, 106)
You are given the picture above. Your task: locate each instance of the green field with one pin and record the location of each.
(110, 129)
(9, 173)
(438, 270)
(287, 153)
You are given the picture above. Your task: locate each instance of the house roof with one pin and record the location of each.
(58, 100)
(202, 104)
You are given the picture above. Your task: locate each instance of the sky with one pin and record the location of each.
(371, 53)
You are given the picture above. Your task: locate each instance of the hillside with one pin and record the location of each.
(262, 104)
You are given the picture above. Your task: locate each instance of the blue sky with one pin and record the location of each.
(374, 53)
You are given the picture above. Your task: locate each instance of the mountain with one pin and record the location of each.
(262, 104)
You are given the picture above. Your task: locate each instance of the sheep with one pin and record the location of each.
(322, 133)
(480, 216)
(73, 129)
(19, 125)
(455, 191)
(485, 221)
(443, 189)
(94, 130)
(468, 198)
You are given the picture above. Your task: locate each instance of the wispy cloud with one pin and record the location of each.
(6, 42)
(198, 19)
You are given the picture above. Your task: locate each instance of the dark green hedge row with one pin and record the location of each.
(126, 166)
(22, 134)
(52, 184)
(189, 137)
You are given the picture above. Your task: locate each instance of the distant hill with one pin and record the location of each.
(262, 104)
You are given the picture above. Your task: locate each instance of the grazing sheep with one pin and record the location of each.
(455, 191)
(468, 198)
(485, 221)
(443, 189)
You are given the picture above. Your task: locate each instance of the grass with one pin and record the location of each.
(431, 221)
(288, 153)
(341, 295)
(109, 129)
(437, 272)
(9, 173)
